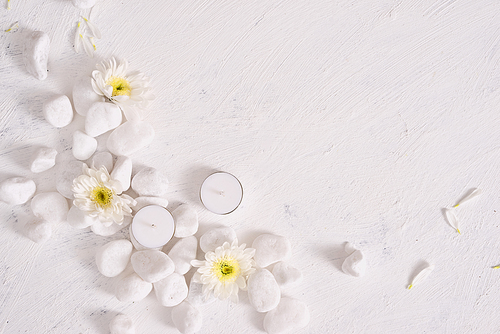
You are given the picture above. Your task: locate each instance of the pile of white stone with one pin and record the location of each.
(149, 268)
(154, 269)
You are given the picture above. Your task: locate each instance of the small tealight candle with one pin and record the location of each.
(153, 226)
(221, 193)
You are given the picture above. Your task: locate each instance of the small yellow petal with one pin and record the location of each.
(410, 286)
(496, 267)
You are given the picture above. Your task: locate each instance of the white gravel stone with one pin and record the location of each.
(216, 237)
(50, 206)
(187, 318)
(83, 145)
(152, 265)
(84, 95)
(106, 230)
(286, 275)
(58, 111)
(171, 290)
(102, 117)
(143, 201)
(290, 315)
(270, 248)
(67, 171)
(36, 54)
(103, 159)
(38, 230)
(130, 137)
(43, 159)
(121, 324)
(17, 190)
(186, 221)
(132, 288)
(83, 4)
(79, 219)
(150, 182)
(182, 253)
(122, 171)
(136, 244)
(355, 263)
(196, 297)
(112, 258)
(263, 291)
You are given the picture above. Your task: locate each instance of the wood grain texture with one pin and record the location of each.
(344, 120)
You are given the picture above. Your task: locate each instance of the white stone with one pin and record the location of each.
(196, 296)
(106, 230)
(67, 171)
(270, 248)
(83, 145)
(43, 159)
(122, 171)
(171, 290)
(187, 318)
(79, 219)
(355, 264)
(102, 117)
(84, 95)
(286, 275)
(136, 244)
(130, 137)
(143, 201)
(38, 230)
(216, 237)
(290, 315)
(121, 324)
(50, 206)
(36, 54)
(182, 253)
(103, 159)
(150, 182)
(152, 265)
(132, 288)
(186, 221)
(17, 190)
(58, 111)
(263, 291)
(83, 4)
(112, 258)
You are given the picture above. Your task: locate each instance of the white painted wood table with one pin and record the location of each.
(344, 120)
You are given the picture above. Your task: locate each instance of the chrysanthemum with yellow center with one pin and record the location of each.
(129, 90)
(225, 270)
(99, 196)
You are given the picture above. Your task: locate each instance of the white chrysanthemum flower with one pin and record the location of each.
(225, 270)
(99, 196)
(128, 90)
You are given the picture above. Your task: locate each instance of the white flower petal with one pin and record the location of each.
(93, 29)
(476, 192)
(87, 46)
(452, 218)
(421, 276)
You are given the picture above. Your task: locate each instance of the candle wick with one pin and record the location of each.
(153, 225)
(222, 193)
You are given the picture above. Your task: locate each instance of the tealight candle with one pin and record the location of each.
(221, 193)
(153, 226)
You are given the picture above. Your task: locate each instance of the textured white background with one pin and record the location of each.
(344, 120)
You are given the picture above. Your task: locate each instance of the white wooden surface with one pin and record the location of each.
(344, 120)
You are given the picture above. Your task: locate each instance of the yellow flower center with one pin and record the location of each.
(102, 196)
(120, 86)
(227, 269)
